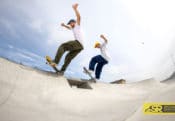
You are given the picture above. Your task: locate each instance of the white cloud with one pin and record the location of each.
(9, 28)
(37, 25)
(20, 55)
(10, 46)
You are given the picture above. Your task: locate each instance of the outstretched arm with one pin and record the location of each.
(66, 26)
(104, 38)
(75, 7)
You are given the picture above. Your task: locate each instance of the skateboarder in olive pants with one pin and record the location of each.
(75, 46)
(99, 60)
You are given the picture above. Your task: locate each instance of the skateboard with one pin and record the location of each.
(49, 61)
(89, 74)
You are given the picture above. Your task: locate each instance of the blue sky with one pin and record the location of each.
(141, 35)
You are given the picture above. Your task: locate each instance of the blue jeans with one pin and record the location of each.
(100, 61)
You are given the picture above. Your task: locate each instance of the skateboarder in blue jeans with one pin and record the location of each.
(100, 60)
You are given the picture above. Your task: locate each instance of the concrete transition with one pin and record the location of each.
(28, 94)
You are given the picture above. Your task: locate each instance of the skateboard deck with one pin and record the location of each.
(89, 74)
(49, 61)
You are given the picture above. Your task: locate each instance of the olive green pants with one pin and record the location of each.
(74, 48)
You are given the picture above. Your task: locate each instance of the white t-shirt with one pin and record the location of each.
(104, 52)
(78, 33)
